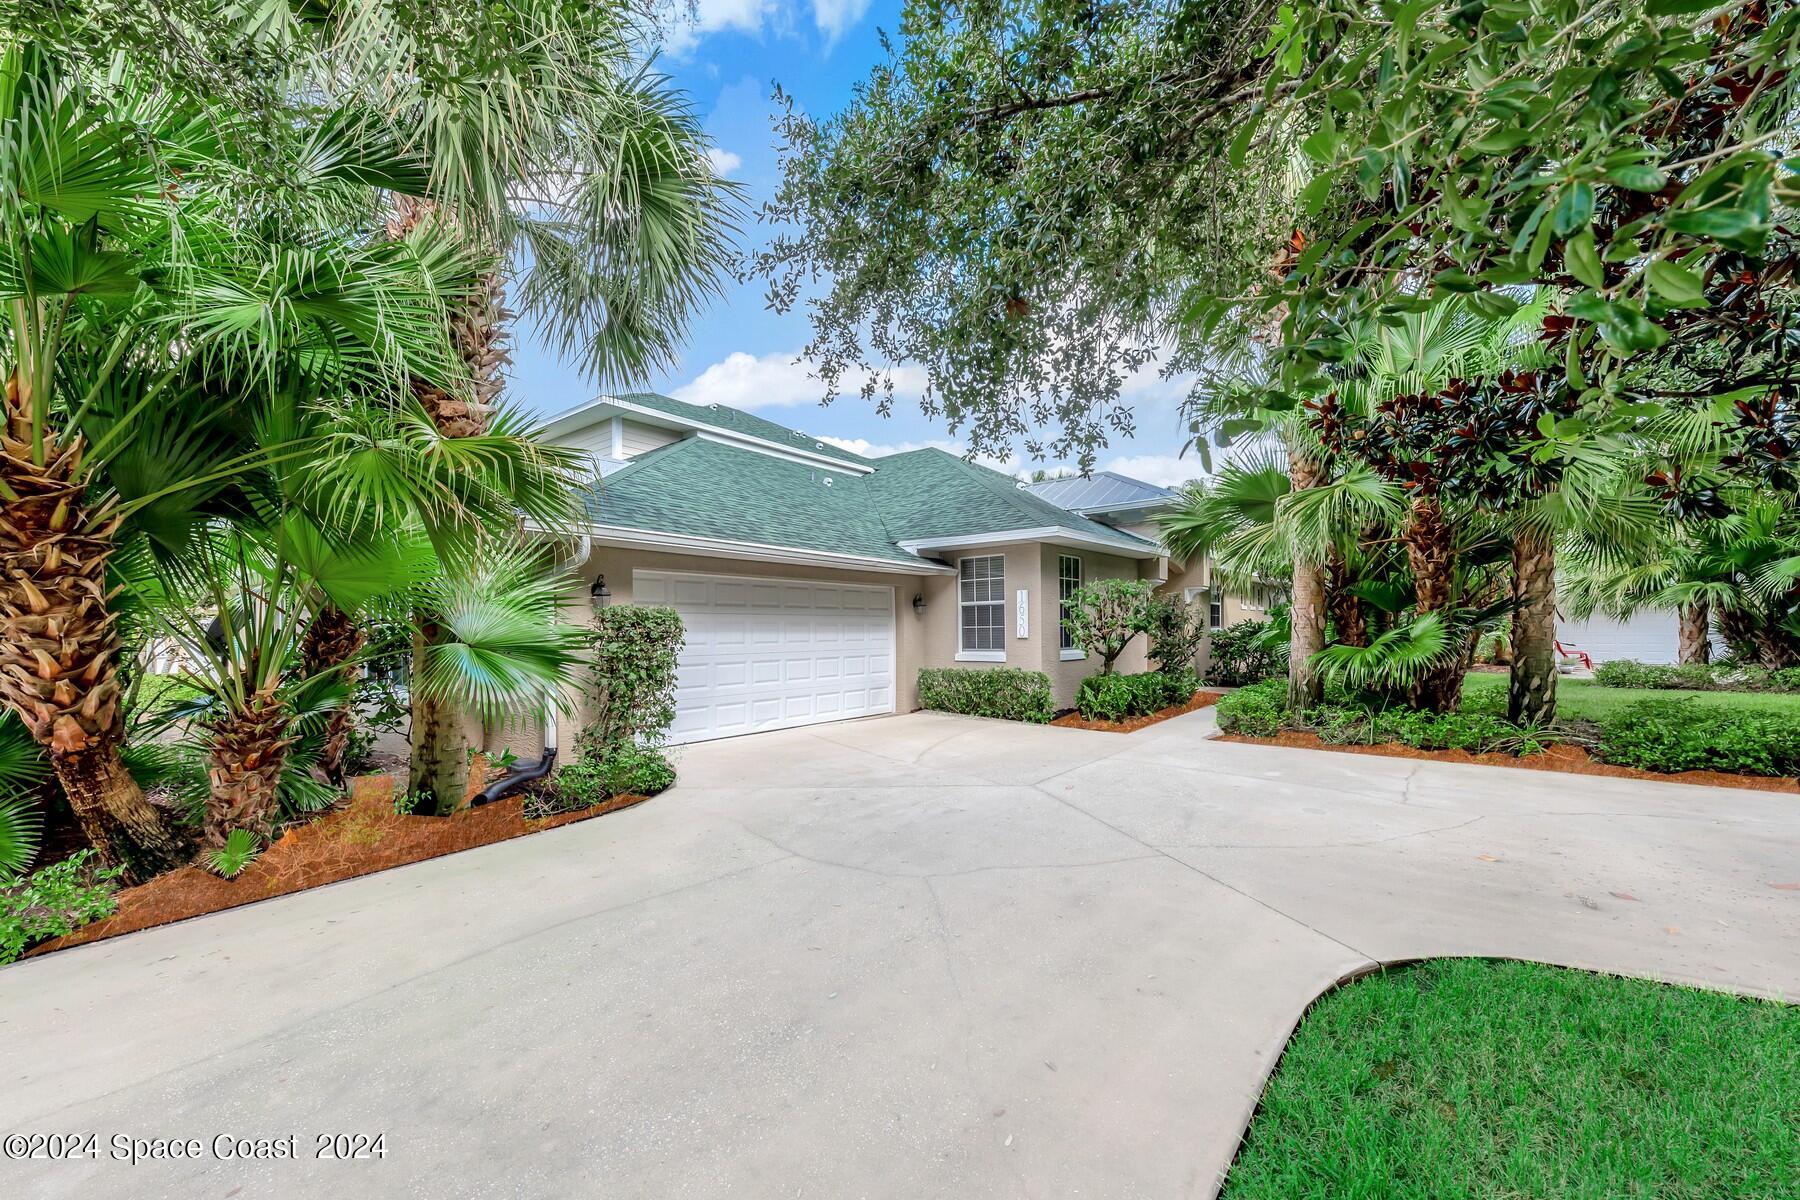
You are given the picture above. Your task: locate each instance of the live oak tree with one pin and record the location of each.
(1030, 199)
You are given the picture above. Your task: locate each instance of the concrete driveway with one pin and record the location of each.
(920, 956)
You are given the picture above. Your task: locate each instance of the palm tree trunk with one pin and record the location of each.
(1531, 687)
(439, 764)
(439, 767)
(333, 639)
(1431, 553)
(249, 750)
(1696, 633)
(59, 648)
(1347, 615)
(1306, 687)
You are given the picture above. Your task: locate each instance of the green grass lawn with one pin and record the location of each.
(1503, 1080)
(1583, 699)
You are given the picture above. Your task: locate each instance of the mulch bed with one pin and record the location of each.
(1570, 759)
(1074, 720)
(366, 835)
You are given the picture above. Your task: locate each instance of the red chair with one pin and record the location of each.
(1581, 656)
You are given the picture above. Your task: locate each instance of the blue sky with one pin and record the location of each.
(739, 352)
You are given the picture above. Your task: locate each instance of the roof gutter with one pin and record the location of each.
(707, 547)
(1055, 534)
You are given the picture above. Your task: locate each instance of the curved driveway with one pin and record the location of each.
(919, 956)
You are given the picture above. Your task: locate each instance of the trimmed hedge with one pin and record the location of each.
(1007, 693)
(1696, 677)
(1120, 697)
(1261, 711)
(1682, 735)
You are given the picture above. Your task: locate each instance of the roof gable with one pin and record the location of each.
(933, 494)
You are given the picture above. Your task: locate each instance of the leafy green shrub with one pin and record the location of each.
(1009, 693)
(1680, 735)
(1179, 686)
(1118, 697)
(1106, 697)
(59, 899)
(1241, 655)
(634, 650)
(1628, 673)
(636, 771)
(1177, 632)
(1697, 677)
(1261, 711)
(1255, 711)
(627, 769)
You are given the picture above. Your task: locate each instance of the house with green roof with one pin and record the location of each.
(814, 582)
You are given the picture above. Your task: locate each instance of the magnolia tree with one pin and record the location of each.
(1105, 615)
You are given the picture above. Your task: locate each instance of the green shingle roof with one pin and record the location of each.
(707, 489)
(704, 488)
(739, 421)
(935, 494)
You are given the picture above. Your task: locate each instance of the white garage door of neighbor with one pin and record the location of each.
(773, 653)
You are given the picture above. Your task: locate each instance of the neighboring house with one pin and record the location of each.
(815, 583)
(1132, 506)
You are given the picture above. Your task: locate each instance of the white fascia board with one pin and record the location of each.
(605, 406)
(1054, 534)
(682, 543)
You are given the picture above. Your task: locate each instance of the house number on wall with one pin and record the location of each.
(1024, 620)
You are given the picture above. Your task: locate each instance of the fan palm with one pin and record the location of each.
(141, 315)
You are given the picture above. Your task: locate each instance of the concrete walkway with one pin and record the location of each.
(920, 956)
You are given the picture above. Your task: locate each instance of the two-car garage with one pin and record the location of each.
(774, 653)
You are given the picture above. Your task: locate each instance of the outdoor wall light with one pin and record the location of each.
(919, 604)
(601, 594)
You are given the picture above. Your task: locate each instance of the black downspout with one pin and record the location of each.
(516, 779)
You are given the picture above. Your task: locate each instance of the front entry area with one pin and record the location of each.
(774, 653)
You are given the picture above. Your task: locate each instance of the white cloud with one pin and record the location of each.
(682, 30)
(777, 380)
(1010, 465)
(1164, 470)
(835, 18)
(724, 162)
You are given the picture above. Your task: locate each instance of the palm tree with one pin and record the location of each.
(140, 317)
(583, 175)
(1736, 572)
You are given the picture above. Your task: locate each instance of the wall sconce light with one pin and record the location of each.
(599, 592)
(919, 604)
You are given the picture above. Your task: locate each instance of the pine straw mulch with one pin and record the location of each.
(1565, 757)
(1074, 720)
(364, 836)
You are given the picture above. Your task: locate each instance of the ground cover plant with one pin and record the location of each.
(1495, 1080)
(1661, 731)
(54, 900)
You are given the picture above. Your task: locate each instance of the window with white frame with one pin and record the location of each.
(981, 584)
(1215, 609)
(1068, 582)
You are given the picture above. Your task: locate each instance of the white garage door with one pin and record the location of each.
(770, 653)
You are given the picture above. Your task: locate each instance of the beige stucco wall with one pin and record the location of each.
(1198, 574)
